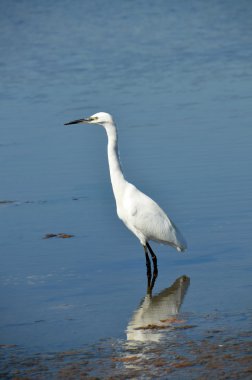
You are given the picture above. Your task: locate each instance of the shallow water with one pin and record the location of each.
(177, 78)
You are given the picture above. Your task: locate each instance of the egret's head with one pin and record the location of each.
(98, 118)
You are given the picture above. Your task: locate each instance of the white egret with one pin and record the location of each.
(139, 212)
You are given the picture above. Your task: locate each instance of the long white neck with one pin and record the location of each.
(116, 175)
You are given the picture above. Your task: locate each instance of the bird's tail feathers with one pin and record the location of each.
(180, 242)
(181, 248)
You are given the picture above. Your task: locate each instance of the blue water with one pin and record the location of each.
(177, 78)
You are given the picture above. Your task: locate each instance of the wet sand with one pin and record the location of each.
(213, 349)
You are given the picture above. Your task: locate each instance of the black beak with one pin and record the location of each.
(84, 121)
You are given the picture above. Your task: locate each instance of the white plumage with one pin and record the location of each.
(139, 212)
(146, 219)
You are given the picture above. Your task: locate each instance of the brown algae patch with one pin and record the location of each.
(127, 359)
(60, 235)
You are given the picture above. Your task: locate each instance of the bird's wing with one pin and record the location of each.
(147, 217)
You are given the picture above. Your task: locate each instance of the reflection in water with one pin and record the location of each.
(158, 312)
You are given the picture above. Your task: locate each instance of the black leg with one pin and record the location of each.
(148, 266)
(154, 260)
